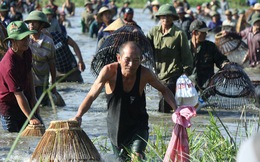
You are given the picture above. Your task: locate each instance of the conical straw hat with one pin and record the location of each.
(155, 3)
(118, 23)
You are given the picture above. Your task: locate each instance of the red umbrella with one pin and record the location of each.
(178, 148)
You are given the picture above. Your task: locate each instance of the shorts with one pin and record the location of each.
(136, 145)
(15, 123)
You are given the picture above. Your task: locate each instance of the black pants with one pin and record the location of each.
(164, 107)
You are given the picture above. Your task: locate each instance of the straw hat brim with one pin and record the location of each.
(20, 36)
(118, 23)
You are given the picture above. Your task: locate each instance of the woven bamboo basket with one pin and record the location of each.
(34, 130)
(234, 49)
(230, 88)
(65, 141)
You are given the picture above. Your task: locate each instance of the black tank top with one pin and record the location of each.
(126, 111)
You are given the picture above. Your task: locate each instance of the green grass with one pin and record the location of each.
(207, 143)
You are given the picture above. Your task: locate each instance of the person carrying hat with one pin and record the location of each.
(171, 51)
(4, 17)
(54, 24)
(229, 23)
(63, 22)
(128, 16)
(183, 22)
(17, 94)
(53, 6)
(215, 23)
(105, 16)
(43, 51)
(87, 16)
(205, 55)
(252, 36)
(125, 6)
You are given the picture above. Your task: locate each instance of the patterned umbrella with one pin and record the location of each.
(107, 52)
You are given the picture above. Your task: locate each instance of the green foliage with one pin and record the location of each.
(211, 145)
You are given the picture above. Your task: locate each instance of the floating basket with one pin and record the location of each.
(230, 88)
(107, 52)
(65, 141)
(34, 130)
(234, 49)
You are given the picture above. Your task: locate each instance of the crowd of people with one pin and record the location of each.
(39, 53)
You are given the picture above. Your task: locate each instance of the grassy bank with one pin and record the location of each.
(141, 3)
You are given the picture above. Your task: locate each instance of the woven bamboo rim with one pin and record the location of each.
(39, 126)
(63, 125)
(218, 35)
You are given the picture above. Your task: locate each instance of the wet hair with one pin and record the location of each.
(131, 44)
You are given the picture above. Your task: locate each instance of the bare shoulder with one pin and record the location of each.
(147, 73)
(109, 70)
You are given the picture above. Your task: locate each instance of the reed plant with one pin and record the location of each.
(208, 143)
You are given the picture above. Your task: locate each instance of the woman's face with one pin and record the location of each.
(106, 16)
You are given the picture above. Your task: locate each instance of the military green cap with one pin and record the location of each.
(48, 11)
(255, 18)
(18, 30)
(38, 16)
(167, 9)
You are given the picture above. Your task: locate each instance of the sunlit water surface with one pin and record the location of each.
(94, 122)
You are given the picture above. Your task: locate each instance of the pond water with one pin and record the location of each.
(94, 121)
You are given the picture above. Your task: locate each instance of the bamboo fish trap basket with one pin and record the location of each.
(234, 49)
(65, 141)
(34, 130)
(108, 50)
(230, 88)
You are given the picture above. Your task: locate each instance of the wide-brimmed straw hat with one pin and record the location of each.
(18, 30)
(88, 2)
(102, 10)
(228, 13)
(118, 23)
(3, 8)
(256, 6)
(38, 16)
(255, 18)
(214, 13)
(167, 9)
(155, 3)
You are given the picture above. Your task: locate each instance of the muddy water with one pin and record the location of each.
(94, 122)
